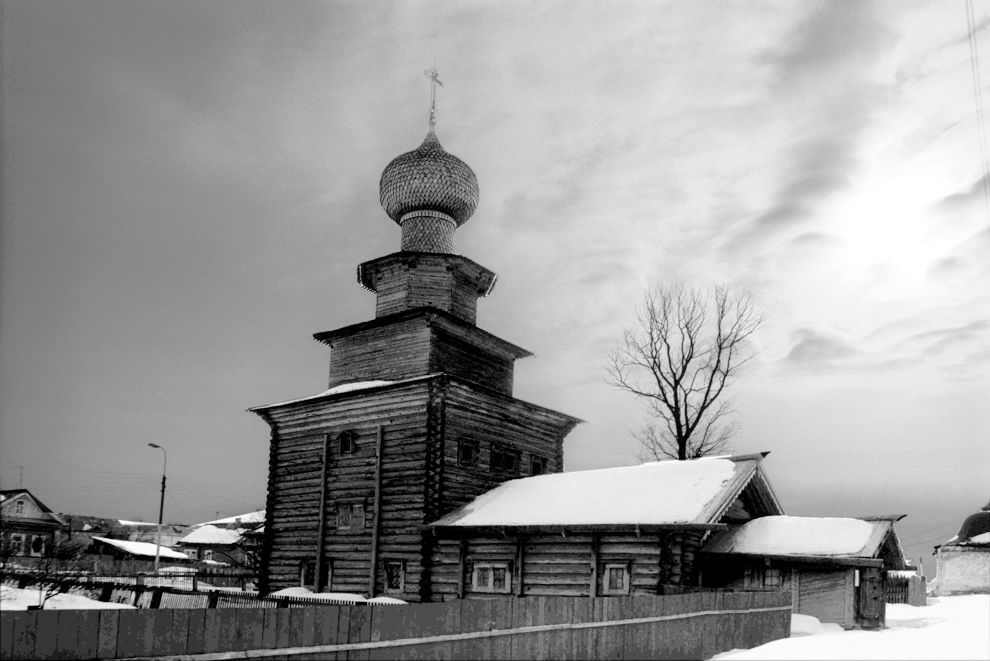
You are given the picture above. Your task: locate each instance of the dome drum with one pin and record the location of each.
(428, 231)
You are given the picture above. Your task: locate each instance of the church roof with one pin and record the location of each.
(429, 178)
(661, 493)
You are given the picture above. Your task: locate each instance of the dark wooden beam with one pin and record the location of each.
(321, 525)
(376, 521)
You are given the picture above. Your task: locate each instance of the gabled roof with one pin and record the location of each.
(807, 537)
(208, 534)
(144, 549)
(247, 519)
(8, 496)
(664, 493)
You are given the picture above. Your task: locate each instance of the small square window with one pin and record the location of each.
(537, 465)
(347, 442)
(395, 576)
(504, 458)
(344, 517)
(616, 579)
(491, 577)
(467, 452)
(207, 554)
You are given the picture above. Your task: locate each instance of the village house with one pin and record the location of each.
(611, 531)
(122, 549)
(29, 527)
(834, 567)
(962, 563)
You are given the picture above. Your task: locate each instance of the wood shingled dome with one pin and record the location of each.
(428, 178)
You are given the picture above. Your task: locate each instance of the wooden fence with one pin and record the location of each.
(904, 589)
(693, 626)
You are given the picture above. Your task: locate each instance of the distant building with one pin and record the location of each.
(121, 549)
(28, 527)
(962, 564)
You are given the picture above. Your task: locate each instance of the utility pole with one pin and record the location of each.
(161, 506)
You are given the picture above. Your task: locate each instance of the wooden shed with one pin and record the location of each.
(834, 567)
(613, 531)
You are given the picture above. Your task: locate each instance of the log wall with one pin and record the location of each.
(560, 563)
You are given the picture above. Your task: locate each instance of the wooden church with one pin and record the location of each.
(418, 418)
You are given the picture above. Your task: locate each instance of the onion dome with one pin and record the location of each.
(431, 180)
(974, 525)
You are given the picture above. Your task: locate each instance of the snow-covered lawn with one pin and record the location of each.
(947, 628)
(18, 599)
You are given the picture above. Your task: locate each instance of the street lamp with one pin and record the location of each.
(161, 505)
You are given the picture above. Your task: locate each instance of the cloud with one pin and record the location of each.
(963, 199)
(939, 340)
(816, 349)
(834, 48)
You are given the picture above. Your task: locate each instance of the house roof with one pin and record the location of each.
(806, 536)
(146, 549)
(247, 519)
(210, 534)
(663, 493)
(10, 495)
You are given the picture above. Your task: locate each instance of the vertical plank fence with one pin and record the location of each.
(644, 626)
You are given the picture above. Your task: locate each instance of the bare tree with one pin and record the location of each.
(685, 350)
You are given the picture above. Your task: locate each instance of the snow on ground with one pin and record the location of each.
(18, 599)
(947, 628)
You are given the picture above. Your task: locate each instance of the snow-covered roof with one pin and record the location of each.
(248, 518)
(209, 534)
(143, 548)
(982, 538)
(124, 522)
(656, 493)
(336, 390)
(804, 536)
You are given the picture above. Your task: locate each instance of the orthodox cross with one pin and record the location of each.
(434, 77)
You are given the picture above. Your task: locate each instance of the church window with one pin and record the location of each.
(537, 465)
(491, 577)
(344, 517)
(504, 458)
(616, 578)
(467, 452)
(395, 576)
(347, 441)
(307, 574)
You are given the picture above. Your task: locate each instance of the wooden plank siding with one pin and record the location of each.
(295, 489)
(419, 480)
(561, 564)
(392, 352)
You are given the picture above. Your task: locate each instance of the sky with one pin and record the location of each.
(189, 186)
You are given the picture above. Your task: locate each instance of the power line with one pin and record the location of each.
(974, 59)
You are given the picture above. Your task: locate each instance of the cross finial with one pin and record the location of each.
(434, 77)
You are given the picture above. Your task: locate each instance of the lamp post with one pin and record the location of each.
(161, 505)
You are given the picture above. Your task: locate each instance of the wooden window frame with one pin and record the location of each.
(18, 543)
(307, 570)
(347, 442)
(627, 576)
(489, 587)
(472, 443)
(535, 459)
(340, 511)
(502, 450)
(19, 506)
(402, 576)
